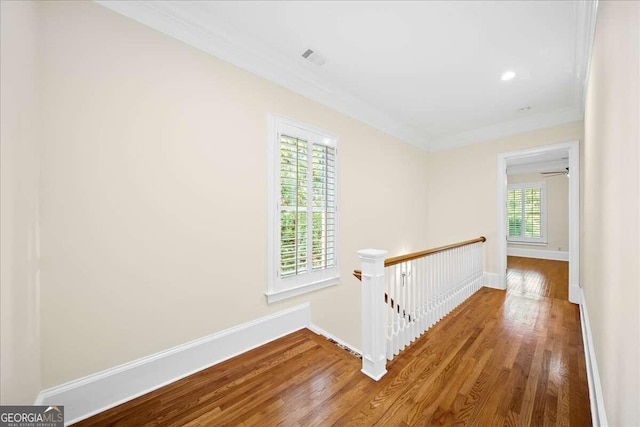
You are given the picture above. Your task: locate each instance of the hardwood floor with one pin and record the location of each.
(499, 359)
(535, 278)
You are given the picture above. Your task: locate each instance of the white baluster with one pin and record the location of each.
(397, 320)
(439, 277)
(417, 284)
(405, 304)
(442, 284)
(454, 279)
(435, 290)
(412, 292)
(418, 291)
(447, 284)
(454, 282)
(459, 265)
(389, 312)
(423, 296)
(407, 310)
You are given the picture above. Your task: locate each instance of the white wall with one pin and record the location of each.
(154, 196)
(19, 217)
(610, 241)
(463, 187)
(557, 210)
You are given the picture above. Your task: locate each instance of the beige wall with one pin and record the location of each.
(463, 187)
(155, 197)
(19, 219)
(610, 241)
(557, 210)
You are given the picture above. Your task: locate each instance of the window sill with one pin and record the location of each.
(526, 242)
(310, 287)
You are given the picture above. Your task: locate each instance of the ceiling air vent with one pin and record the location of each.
(314, 57)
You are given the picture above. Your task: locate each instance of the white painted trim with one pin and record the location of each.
(374, 334)
(539, 253)
(598, 411)
(575, 294)
(273, 296)
(39, 400)
(98, 392)
(501, 130)
(573, 148)
(586, 15)
(495, 281)
(318, 330)
(277, 287)
(574, 219)
(525, 243)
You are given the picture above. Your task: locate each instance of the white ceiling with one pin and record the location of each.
(548, 161)
(426, 72)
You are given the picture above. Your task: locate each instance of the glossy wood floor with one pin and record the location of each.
(499, 359)
(535, 278)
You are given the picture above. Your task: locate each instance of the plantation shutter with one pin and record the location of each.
(514, 212)
(307, 206)
(524, 212)
(533, 213)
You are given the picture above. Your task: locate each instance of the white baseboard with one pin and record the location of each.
(575, 294)
(318, 330)
(598, 412)
(98, 392)
(495, 281)
(539, 253)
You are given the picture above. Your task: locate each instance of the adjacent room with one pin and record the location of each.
(538, 224)
(320, 213)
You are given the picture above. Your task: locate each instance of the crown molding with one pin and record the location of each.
(586, 13)
(295, 75)
(501, 130)
(585, 26)
(227, 45)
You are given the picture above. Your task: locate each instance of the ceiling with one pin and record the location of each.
(428, 73)
(548, 161)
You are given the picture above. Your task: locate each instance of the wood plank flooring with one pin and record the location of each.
(535, 278)
(499, 359)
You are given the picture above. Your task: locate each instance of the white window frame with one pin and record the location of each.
(282, 288)
(542, 240)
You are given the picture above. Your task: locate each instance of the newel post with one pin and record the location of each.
(374, 359)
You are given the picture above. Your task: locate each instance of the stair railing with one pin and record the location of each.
(404, 296)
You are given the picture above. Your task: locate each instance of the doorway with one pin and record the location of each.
(525, 178)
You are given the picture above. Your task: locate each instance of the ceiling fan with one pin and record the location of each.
(556, 173)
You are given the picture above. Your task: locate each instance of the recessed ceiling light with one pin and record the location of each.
(508, 75)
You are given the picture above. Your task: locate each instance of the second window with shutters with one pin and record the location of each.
(303, 209)
(526, 213)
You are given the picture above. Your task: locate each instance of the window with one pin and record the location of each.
(303, 228)
(526, 213)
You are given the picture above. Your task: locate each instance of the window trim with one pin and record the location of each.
(277, 288)
(539, 241)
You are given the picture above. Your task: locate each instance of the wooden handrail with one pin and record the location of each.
(415, 255)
